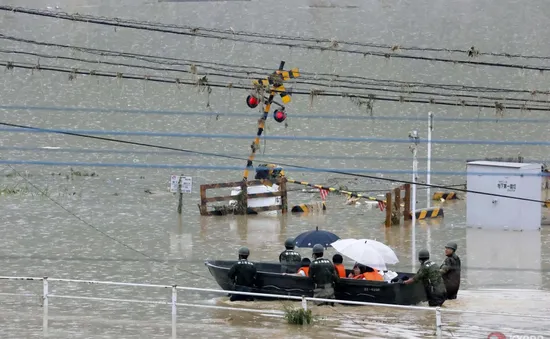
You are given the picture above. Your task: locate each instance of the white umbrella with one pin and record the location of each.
(387, 253)
(367, 252)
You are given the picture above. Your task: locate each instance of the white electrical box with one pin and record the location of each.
(518, 180)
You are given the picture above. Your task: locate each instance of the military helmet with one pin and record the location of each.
(244, 251)
(318, 249)
(423, 255)
(452, 245)
(289, 243)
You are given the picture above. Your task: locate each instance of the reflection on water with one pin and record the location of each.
(181, 243)
(259, 230)
(516, 256)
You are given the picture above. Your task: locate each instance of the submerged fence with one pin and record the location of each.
(46, 296)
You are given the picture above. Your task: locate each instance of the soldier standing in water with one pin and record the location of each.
(450, 270)
(324, 275)
(429, 275)
(243, 275)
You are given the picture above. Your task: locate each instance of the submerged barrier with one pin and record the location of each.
(46, 296)
(429, 213)
(444, 196)
(307, 208)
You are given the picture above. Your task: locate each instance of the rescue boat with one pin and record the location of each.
(272, 281)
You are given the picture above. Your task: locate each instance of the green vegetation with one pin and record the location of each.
(298, 316)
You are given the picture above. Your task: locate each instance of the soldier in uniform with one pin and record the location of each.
(429, 275)
(324, 275)
(243, 275)
(450, 270)
(290, 259)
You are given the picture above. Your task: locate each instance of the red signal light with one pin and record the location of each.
(279, 116)
(252, 101)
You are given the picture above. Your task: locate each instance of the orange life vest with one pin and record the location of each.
(370, 276)
(341, 270)
(305, 269)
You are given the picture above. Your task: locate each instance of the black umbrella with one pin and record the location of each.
(310, 238)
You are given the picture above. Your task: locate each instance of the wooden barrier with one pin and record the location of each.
(242, 205)
(393, 205)
(389, 208)
(407, 212)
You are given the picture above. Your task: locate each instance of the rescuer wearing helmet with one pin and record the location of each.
(450, 270)
(324, 275)
(429, 275)
(243, 275)
(290, 259)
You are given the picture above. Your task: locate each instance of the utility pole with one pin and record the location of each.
(413, 137)
(429, 165)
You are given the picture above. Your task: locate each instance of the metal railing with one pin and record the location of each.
(46, 296)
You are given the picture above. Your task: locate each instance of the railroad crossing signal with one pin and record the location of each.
(276, 80)
(272, 84)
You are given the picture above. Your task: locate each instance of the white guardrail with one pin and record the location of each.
(174, 288)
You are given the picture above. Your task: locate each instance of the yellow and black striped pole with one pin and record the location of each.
(332, 189)
(275, 84)
(261, 125)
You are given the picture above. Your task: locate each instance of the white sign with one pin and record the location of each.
(504, 185)
(186, 184)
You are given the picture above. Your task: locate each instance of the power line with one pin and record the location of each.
(294, 155)
(262, 40)
(229, 74)
(470, 52)
(204, 83)
(274, 137)
(404, 85)
(96, 228)
(252, 114)
(305, 39)
(280, 163)
(238, 168)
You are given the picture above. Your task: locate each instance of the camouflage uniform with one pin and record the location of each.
(450, 271)
(429, 275)
(324, 276)
(290, 261)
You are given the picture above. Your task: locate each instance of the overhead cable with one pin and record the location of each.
(249, 70)
(201, 83)
(135, 143)
(238, 168)
(333, 116)
(230, 75)
(54, 149)
(196, 32)
(276, 137)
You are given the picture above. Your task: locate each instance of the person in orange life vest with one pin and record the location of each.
(304, 269)
(337, 260)
(365, 273)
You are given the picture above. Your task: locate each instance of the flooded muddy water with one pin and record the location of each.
(116, 223)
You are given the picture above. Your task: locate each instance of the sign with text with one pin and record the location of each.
(505, 185)
(186, 184)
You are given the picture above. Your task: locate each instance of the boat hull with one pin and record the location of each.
(271, 281)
